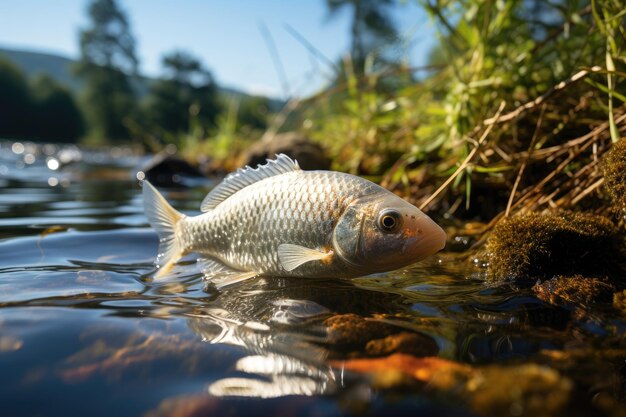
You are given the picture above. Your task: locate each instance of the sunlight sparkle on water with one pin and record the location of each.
(53, 164)
(17, 148)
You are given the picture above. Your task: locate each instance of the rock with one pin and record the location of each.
(614, 170)
(596, 369)
(309, 155)
(619, 301)
(392, 380)
(525, 390)
(540, 246)
(576, 291)
(438, 373)
(412, 343)
(354, 330)
(165, 170)
(189, 405)
(496, 390)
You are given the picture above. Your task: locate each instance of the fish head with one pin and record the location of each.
(384, 232)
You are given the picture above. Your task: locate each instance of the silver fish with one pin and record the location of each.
(278, 220)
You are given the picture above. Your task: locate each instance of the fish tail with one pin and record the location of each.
(165, 220)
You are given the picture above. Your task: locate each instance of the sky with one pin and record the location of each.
(227, 36)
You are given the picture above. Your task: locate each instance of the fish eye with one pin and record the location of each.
(389, 221)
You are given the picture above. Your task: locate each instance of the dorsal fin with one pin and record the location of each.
(245, 176)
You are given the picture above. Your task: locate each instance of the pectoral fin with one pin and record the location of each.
(221, 275)
(292, 256)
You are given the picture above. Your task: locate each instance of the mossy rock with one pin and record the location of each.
(416, 344)
(353, 330)
(577, 291)
(540, 246)
(614, 170)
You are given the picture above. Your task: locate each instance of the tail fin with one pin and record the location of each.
(164, 219)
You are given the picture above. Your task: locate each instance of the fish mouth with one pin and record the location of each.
(429, 239)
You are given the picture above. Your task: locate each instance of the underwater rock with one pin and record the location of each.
(596, 370)
(574, 291)
(415, 344)
(608, 405)
(525, 390)
(614, 170)
(538, 246)
(309, 155)
(165, 170)
(189, 405)
(140, 352)
(619, 301)
(354, 330)
(438, 373)
(496, 390)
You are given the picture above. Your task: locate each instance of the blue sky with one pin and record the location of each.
(225, 34)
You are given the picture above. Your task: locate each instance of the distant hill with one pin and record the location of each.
(33, 63)
(60, 69)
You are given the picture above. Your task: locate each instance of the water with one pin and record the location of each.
(85, 331)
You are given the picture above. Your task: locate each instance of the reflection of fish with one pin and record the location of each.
(281, 221)
(282, 360)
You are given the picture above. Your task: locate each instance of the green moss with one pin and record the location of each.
(538, 246)
(614, 170)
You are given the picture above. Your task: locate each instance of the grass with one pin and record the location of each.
(513, 114)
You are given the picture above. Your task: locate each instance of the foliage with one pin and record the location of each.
(58, 116)
(371, 26)
(14, 101)
(225, 142)
(107, 58)
(41, 110)
(530, 57)
(187, 91)
(252, 112)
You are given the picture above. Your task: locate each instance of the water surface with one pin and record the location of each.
(85, 331)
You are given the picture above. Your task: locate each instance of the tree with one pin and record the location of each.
(15, 101)
(42, 110)
(58, 118)
(371, 27)
(253, 112)
(107, 60)
(186, 92)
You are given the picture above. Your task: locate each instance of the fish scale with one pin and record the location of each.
(278, 220)
(299, 207)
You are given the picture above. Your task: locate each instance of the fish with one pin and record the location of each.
(279, 220)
